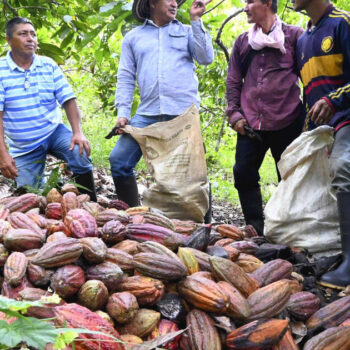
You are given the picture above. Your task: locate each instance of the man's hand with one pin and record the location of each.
(121, 122)
(321, 112)
(80, 140)
(239, 126)
(8, 166)
(197, 9)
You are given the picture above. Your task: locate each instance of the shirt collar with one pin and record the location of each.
(328, 9)
(36, 62)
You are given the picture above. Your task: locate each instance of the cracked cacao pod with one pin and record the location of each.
(107, 272)
(58, 253)
(113, 232)
(226, 270)
(204, 294)
(142, 324)
(94, 249)
(164, 327)
(15, 268)
(302, 305)
(23, 203)
(334, 338)
(330, 315)
(147, 290)
(185, 227)
(155, 233)
(112, 214)
(122, 259)
(54, 211)
(202, 334)
(273, 271)
(76, 316)
(93, 294)
(159, 266)
(22, 239)
(80, 223)
(257, 335)
(269, 301)
(238, 305)
(67, 280)
(248, 263)
(230, 231)
(122, 307)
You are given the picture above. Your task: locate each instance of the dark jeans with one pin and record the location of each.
(250, 154)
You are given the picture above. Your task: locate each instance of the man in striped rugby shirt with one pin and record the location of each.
(30, 118)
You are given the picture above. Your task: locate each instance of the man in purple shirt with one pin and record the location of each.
(263, 94)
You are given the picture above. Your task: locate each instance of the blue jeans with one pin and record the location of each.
(31, 166)
(127, 152)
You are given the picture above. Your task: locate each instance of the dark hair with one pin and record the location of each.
(273, 5)
(11, 24)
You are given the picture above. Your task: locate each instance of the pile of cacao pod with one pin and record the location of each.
(137, 275)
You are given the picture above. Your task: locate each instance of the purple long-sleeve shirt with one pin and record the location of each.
(269, 95)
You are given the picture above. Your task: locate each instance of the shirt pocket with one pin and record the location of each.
(178, 41)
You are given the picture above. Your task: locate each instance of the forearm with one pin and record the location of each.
(73, 115)
(201, 44)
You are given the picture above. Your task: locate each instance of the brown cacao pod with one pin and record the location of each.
(273, 271)
(22, 239)
(58, 253)
(113, 232)
(230, 231)
(67, 280)
(147, 290)
(122, 259)
(20, 220)
(122, 307)
(112, 214)
(142, 324)
(238, 305)
(128, 246)
(286, 343)
(109, 273)
(76, 316)
(226, 270)
(69, 202)
(93, 294)
(54, 211)
(80, 223)
(185, 227)
(203, 294)
(94, 249)
(334, 338)
(164, 327)
(159, 234)
(159, 266)
(23, 203)
(202, 334)
(15, 268)
(268, 301)
(248, 263)
(302, 305)
(53, 196)
(330, 315)
(257, 335)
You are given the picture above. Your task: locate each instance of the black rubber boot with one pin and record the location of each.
(251, 203)
(340, 278)
(126, 189)
(86, 180)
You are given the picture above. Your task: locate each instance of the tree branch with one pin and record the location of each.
(218, 37)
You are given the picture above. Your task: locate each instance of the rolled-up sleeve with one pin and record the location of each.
(200, 44)
(125, 80)
(234, 84)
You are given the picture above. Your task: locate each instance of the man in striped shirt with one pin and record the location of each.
(30, 118)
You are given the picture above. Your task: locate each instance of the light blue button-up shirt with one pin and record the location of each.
(161, 60)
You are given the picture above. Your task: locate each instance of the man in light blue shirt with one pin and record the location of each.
(160, 56)
(30, 118)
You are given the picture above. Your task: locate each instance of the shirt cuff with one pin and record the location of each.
(196, 25)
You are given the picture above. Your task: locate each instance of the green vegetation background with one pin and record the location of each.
(84, 37)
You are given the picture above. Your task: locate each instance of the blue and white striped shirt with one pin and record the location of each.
(28, 99)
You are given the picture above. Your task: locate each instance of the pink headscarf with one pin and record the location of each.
(258, 39)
